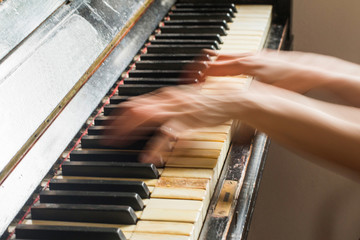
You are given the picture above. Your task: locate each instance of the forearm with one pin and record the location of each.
(305, 124)
(304, 78)
(346, 87)
(298, 72)
(327, 63)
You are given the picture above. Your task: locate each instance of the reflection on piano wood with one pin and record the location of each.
(102, 193)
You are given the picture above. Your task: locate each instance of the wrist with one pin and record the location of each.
(341, 82)
(311, 78)
(248, 105)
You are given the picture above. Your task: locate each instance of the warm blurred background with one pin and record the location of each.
(298, 199)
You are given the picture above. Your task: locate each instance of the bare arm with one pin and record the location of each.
(329, 131)
(326, 130)
(295, 71)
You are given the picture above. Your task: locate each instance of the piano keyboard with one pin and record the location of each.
(104, 193)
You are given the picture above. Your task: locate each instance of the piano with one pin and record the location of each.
(64, 67)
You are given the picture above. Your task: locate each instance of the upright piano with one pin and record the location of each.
(65, 65)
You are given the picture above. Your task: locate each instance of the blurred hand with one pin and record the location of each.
(175, 109)
(293, 71)
(327, 130)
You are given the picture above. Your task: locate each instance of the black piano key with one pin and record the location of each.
(94, 155)
(172, 57)
(84, 213)
(222, 23)
(115, 109)
(90, 197)
(118, 99)
(206, 5)
(26, 231)
(197, 36)
(164, 74)
(119, 142)
(110, 169)
(162, 81)
(110, 109)
(185, 42)
(201, 16)
(178, 48)
(194, 29)
(171, 65)
(105, 120)
(138, 187)
(110, 120)
(135, 90)
(101, 130)
(204, 10)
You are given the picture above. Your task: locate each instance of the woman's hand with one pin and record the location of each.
(326, 130)
(176, 109)
(295, 71)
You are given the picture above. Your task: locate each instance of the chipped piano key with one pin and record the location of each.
(152, 236)
(162, 227)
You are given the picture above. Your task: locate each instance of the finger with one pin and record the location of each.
(222, 57)
(194, 71)
(225, 57)
(289, 56)
(133, 119)
(210, 52)
(229, 67)
(154, 100)
(155, 95)
(159, 146)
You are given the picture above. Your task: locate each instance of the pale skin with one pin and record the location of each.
(295, 71)
(273, 104)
